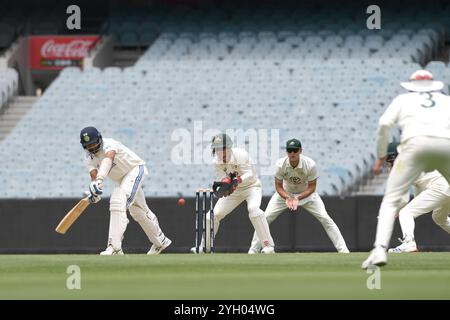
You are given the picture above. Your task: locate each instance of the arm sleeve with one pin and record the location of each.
(279, 172)
(111, 146)
(104, 169)
(90, 164)
(386, 122)
(247, 172)
(312, 172)
(246, 168)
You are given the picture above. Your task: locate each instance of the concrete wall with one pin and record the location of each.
(16, 57)
(28, 226)
(102, 55)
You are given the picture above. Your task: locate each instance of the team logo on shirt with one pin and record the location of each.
(296, 180)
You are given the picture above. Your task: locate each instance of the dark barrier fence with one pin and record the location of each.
(27, 226)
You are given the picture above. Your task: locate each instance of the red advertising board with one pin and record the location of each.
(57, 52)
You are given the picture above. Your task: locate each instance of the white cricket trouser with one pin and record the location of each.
(432, 199)
(129, 195)
(417, 155)
(312, 204)
(253, 196)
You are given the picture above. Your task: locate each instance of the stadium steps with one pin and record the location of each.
(14, 112)
(374, 185)
(126, 58)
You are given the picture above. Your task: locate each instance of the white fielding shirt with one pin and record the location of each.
(295, 180)
(417, 114)
(241, 163)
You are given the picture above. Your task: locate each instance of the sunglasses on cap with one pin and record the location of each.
(292, 150)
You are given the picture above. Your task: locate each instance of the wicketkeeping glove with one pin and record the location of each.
(235, 179)
(223, 188)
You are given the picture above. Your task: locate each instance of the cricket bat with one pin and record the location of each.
(72, 216)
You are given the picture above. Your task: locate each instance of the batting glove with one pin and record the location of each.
(92, 198)
(96, 187)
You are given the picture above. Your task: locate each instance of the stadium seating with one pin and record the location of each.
(9, 83)
(273, 74)
(270, 21)
(149, 107)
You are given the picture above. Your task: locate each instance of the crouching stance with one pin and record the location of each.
(431, 194)
(110, 158)
(238, 182)
(295, 183)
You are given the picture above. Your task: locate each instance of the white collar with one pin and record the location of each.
(300, 163)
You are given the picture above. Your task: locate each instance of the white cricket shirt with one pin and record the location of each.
(417, 114)
(295, 180)
(241, 163)
(124, 161)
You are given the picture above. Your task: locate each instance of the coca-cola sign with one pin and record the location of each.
(56, 52)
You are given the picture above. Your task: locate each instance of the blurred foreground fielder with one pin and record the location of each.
(295, 184)
(423, 115)
(238, 183)
(108, 157)
(431, 193)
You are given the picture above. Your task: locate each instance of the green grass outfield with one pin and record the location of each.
(224, 276)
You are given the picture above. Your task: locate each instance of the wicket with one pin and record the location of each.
(201, 227)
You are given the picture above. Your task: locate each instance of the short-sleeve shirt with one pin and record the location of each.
(295, 180)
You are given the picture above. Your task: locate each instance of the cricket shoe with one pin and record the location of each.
(377, 258)
(407, 245)
(157, 250)
(110, 251)
(253, 251)
(268, 250)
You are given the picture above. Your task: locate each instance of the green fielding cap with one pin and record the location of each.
(293, 144)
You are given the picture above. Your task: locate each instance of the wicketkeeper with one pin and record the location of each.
(237, 182)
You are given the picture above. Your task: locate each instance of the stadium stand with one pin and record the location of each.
(228, 69)
(44, 17)
(272, 18)
(265, 93)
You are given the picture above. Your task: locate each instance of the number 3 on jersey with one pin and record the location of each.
(430, 103)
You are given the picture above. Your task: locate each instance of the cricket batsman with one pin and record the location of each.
(295, 184)
(110, 158)
(237, 182)
(423, 115)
